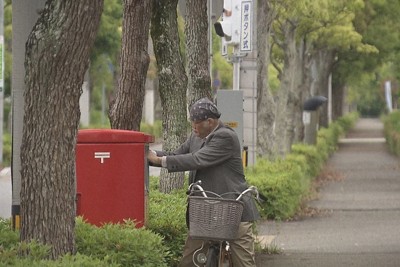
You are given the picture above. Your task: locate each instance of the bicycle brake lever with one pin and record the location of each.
(261, 198)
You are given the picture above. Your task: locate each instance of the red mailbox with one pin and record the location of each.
(112, 175)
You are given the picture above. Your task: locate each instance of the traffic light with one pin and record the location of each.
(229, 27)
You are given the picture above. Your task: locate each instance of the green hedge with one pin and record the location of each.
(109, 245)
(167, 217)
(282, 183)
(392, 131)
(122, 244)
(152, 129)
(77, 260)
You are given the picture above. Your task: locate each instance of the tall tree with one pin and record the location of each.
(198, 67)
(126, 109)
(172, 83)
(291, 78)
(288, 60)
(265, 102)
(330, 32)
(308, 34)
(57, 56)
(360, 73)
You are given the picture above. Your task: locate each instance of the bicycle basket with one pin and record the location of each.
(214, 218)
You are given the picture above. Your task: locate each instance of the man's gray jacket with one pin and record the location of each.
(217, 162)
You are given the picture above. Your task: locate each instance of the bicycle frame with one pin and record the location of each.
(218, 252)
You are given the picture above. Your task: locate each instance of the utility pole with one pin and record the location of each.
(248, 79)
(238, 29)
(24, 16)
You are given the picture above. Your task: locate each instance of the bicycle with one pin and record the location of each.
(214, 218)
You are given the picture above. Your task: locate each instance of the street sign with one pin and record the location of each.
(246, 27)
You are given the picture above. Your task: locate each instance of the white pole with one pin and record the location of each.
(236, 69)
(388, 96)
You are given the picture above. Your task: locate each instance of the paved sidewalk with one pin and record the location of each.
(359, 210)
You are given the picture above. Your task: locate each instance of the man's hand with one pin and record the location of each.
(152, 157)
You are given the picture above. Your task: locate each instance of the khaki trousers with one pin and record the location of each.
(242, 249)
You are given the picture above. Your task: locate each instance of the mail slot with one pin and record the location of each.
(112, 175)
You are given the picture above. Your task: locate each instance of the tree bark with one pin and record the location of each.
(338, 98)
(265, 101)
(196, 31)
(287, 96)
(323, 60)
(172, 84)
(289, 125)
(57, 57)
(126, 110)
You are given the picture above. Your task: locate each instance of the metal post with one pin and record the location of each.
(236, 69)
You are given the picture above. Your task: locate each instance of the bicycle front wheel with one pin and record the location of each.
(225, 259)
(212, 256)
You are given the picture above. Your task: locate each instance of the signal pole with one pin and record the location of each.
(238, 28)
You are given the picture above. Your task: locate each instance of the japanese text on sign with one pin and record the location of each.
(246, 29)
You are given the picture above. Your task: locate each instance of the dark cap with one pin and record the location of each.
(204, 109)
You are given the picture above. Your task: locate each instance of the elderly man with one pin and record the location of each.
(212, 154)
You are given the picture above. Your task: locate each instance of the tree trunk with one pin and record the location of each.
(286, 96)
(57, 57)
(289, 109)
(265, 102)
(323, 60)
(172, 84)
(305, 90)
(196, 31)
(338, 98)
(126, 109)
(296, 129)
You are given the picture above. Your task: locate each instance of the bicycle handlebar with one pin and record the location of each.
(251, 189)
(197, 185)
